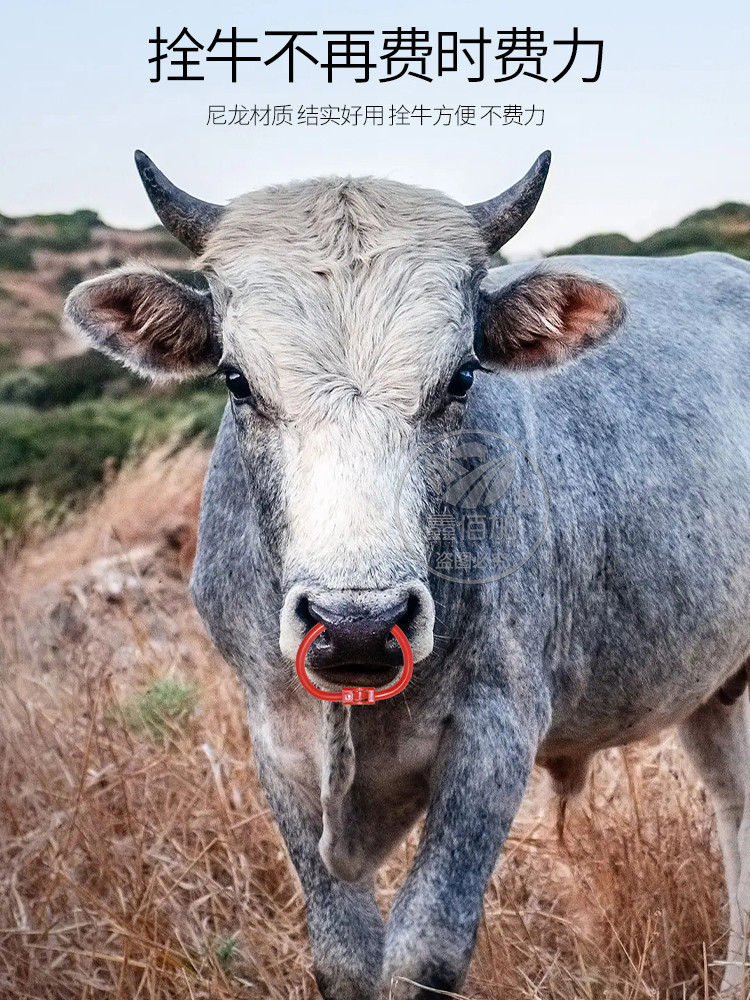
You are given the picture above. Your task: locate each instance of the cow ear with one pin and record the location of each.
(154, 324)
(545, 319)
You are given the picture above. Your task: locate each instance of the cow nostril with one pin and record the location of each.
(310, 619)
(305, 615)
(412, 610)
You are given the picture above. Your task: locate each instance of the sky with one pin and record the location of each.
(664, 131)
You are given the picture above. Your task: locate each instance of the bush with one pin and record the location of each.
(15, 254)
(20, 385)
(69, 231)
(164, 704)
(725, 229)
(66, 425)
(12, 517)
(8, 355)
(601, 243)
(70, 380)
(64, 453)
(691, 236)
(165, 245)
(70, 277)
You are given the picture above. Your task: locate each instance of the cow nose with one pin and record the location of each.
(358, 625)
(356, 633)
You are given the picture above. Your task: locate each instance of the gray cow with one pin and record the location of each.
(350, 319)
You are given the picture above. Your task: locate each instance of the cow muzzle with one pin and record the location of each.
(357, 647)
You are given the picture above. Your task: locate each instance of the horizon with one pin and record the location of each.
(157, 225)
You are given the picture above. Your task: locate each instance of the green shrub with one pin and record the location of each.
(601, 243)
(166, 245)
(725, 229)
(70, 277)
(15, 254)
(165, 704)
(63, 453)
(12, 516)
(20, 385)
(70, 231)
(8, 356)
(46, 317)
(693, 235)
(734, 211)
(64, 233)
(58, 383)
(226, 951)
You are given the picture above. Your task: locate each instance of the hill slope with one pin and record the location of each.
(43, 256)
(725, 228)
(68, 418)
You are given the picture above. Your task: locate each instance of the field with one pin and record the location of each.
(137, 855)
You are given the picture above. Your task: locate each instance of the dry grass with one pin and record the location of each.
(142, 862)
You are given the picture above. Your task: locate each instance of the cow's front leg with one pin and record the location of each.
(485, 766)
(344, 925)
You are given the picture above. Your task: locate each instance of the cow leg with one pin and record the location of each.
(344, 924)
(485, 764)
(717, 739)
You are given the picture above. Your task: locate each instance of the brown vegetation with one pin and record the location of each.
(138, 858)
(31, 300)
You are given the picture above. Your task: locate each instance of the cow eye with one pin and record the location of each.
(462, 381)
(237, 384)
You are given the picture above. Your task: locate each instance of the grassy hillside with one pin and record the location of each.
(68, 419)
(68, 425)
(725, 228)
(43, 256)
(138, 855)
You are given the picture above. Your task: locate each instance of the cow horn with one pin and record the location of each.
(189, 219)
(502, 217)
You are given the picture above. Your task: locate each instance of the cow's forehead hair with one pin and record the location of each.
(346, 289)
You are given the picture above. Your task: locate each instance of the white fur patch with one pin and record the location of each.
(346, 305)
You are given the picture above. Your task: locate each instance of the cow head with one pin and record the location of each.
(347, 318)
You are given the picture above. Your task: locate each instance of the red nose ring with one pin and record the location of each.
(355, 695)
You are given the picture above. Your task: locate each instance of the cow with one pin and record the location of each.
(357, 325)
